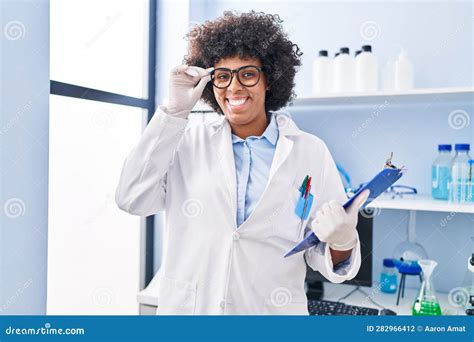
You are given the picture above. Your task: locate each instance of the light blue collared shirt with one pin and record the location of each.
(253, 159)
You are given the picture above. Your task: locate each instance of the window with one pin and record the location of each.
(102, 55)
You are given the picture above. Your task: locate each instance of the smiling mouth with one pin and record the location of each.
(238, 102)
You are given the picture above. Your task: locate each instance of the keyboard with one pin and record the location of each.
(330, 308)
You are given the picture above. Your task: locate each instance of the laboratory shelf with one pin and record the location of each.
(454, 94)
(420, 203)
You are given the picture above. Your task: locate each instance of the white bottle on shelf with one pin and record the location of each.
(344, 72)
(403, 78)
(366, 70)
(322, 74)
(388, 74)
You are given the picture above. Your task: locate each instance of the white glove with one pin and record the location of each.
(336, 226)
(186, 86)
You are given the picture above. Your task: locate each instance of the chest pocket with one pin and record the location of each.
(286, 224)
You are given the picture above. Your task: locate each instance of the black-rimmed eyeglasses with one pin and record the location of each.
(247, 75)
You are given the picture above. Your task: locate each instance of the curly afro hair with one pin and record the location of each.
(247, 35)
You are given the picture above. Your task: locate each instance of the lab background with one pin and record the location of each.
(78, 88)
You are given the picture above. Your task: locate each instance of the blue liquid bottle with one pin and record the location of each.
(459, 186)
(470, 192)
(441, 173)
(388, 277)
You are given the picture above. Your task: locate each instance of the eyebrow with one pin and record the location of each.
(226, 67)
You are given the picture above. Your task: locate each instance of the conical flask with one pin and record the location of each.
(426, 304)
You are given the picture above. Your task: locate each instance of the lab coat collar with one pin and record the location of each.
(286, 126)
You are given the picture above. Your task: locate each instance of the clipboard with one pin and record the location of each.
(381, 182)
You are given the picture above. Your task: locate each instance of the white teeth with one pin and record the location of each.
(237, 102)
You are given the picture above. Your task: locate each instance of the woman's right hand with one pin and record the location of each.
(185, 89)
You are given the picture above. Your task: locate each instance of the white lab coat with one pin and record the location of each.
(209, 266)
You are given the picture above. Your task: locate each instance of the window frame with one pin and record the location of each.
(85, 93)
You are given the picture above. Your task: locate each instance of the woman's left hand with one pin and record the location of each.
(336, 226)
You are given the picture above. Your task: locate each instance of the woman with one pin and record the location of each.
(229, 189)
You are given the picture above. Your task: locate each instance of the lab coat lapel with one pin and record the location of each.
(286, 128)
(222, 140)
(283, 149)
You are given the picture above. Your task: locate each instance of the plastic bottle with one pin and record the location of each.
(403, 73)
(470, 193)
(366, 70)
(388, 73)
(441, 173)
(322, 73)
(344, 72)
(388, 277)
(458, 189)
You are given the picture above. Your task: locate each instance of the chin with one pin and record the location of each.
(238, 118)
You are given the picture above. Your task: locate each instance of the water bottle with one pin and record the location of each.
(470, 193)
(441, 173)
(458, 189)
(388, 277)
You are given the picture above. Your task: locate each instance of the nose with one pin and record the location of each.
(234, 85)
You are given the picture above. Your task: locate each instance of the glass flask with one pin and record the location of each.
(426, 304)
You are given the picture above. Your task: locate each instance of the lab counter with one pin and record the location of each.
(148, 300)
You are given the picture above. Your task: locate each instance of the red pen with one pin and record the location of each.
(308, 185)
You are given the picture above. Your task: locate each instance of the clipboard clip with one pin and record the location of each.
(388, 164)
